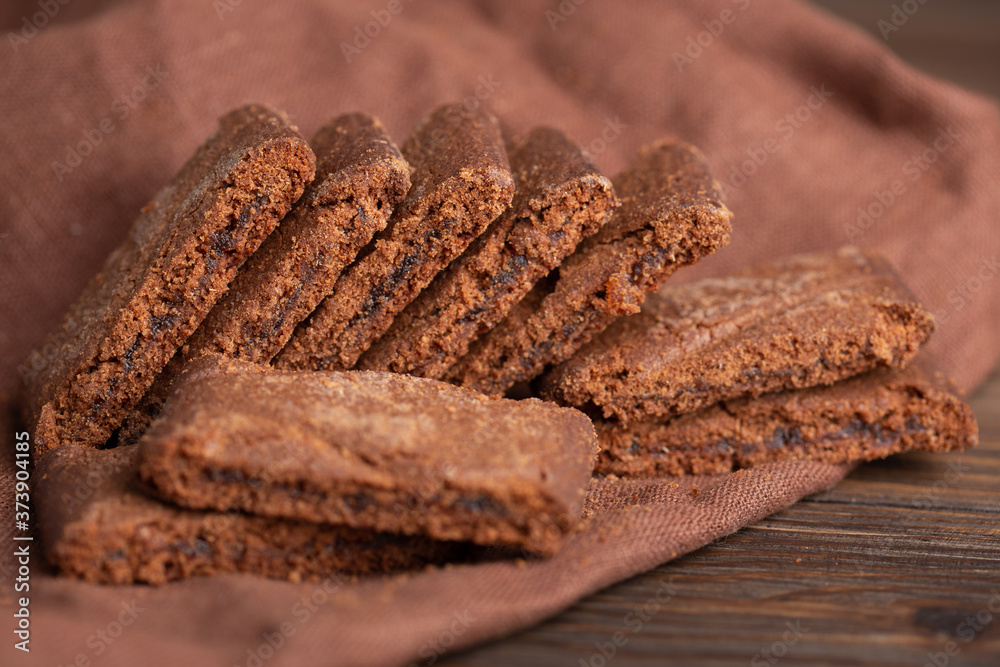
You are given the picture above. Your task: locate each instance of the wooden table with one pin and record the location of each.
(890, 567)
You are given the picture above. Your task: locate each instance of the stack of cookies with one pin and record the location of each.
(806, 357)
(296, 362)
(299, 475)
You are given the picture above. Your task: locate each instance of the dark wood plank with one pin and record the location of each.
(961, 481)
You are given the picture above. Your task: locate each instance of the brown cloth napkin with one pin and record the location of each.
(819, 135)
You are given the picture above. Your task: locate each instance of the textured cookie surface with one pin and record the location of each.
(108, 531)
(671, 215)
(371, 450)
(159, 284)
(560, 198)
(360, 177)
(802, 321)
(866, 417)
(461, 182)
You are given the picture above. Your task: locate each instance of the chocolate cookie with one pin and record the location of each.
(560, 198)
(461, 182)
(360, 177)
(867, 417)
(802, 321)
(97, 525)
(671, 215)
(156, 287)
(371, 450)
